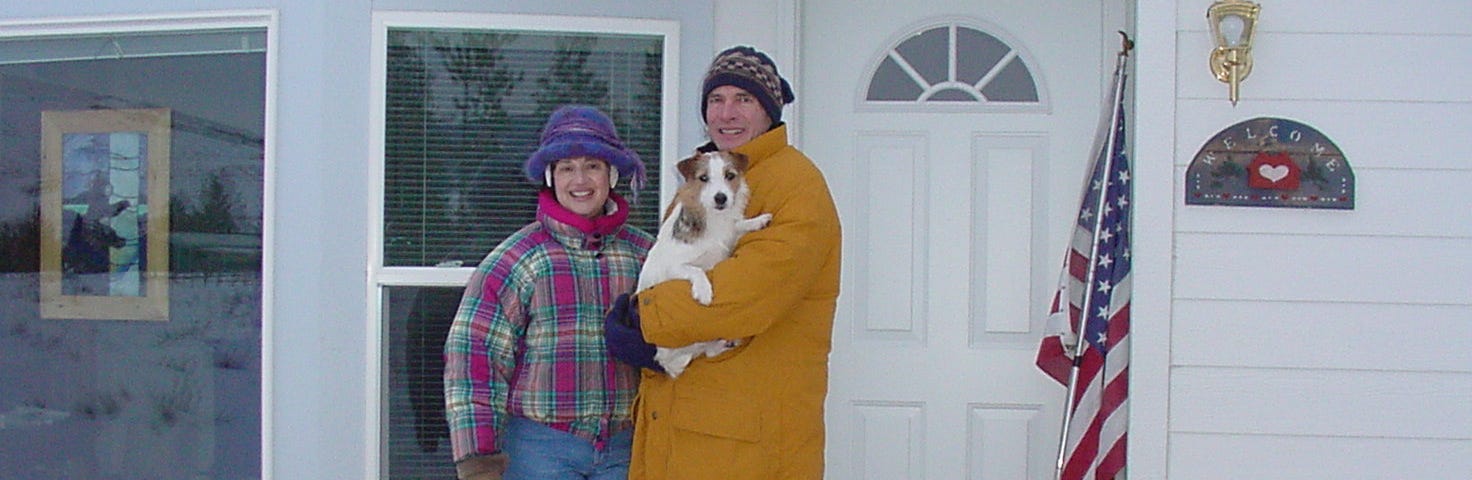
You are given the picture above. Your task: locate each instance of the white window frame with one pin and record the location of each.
(381, 277)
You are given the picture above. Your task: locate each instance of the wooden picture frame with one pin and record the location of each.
(105, 214)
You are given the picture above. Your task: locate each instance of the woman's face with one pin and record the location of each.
(582, 185)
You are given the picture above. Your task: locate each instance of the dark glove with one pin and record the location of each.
(624, 337)
(484, 467)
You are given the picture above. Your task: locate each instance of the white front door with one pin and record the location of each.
(955, 210)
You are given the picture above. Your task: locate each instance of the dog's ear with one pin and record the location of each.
(738, 160)
(687, 167)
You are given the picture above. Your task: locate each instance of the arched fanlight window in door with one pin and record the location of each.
(954, 64)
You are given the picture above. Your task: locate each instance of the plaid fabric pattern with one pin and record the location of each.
(527, 340)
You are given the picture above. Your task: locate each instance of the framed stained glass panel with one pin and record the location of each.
(104, 215)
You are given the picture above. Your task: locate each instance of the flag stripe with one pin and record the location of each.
(1094, 294)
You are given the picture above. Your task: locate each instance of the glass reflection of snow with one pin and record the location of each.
(105, 213)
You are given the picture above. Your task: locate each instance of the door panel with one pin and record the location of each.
(954, 217)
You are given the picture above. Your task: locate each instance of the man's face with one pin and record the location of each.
(733, 117)
(581, 184)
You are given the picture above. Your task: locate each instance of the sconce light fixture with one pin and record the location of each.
(1232, 23)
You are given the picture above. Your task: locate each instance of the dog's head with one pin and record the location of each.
(717, 179)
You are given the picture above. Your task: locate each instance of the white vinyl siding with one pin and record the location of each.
(1319, 343)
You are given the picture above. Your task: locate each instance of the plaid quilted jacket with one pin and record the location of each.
(527, 339)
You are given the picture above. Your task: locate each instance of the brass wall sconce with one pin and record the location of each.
(1232, 23)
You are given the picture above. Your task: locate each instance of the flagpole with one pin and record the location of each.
(1116, 98)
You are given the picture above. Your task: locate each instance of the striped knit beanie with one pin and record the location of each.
(751, 70)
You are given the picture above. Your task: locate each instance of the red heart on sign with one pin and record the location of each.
(1273, 171)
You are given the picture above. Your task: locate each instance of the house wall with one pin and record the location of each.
(1269, 343)
(1302, 343)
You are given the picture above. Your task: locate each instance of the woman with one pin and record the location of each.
(530, 390)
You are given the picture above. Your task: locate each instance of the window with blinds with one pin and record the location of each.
(464, 109)
(416, 437)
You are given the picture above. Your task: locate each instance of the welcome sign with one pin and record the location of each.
(1270, 162)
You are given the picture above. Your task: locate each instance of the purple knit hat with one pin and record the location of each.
(751, 70)
(580, 130)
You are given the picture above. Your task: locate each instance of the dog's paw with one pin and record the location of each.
(755, 223)
(715, 348)
(701, 291)
(673, 360)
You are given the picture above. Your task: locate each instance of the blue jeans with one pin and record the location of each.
(540, 452)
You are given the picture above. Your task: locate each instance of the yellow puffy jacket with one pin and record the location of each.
(755, 412)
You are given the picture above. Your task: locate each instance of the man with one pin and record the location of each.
(755, 412)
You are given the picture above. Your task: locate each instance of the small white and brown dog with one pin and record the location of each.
(700, 228)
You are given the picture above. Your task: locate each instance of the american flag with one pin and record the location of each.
(1095, 280)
